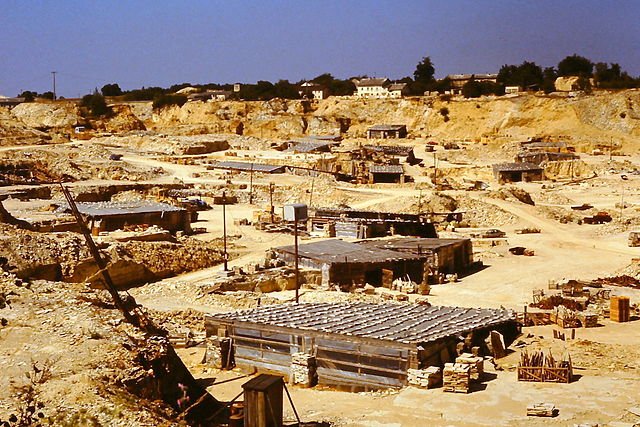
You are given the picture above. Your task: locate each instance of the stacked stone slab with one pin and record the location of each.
(456, 377)
(425, 378)
(218, 352)
(475, 362)
(303, 369)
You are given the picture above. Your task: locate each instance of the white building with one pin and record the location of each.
(317, 91)
(379, 88)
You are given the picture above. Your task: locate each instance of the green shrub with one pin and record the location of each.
(161, 101)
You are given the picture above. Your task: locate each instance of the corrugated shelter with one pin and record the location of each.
(386, 173)
(515, 172)
(248, 167)
(347, 263)
(442, 256)
(358, 345)
(387, 131)
(359, 224)
(538, 157)
(109, 216)
(391, 150)
(311, 145)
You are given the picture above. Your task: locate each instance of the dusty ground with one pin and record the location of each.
(606, 358)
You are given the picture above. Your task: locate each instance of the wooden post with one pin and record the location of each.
(224, 228)
(263, 401)
(251, 185)
(271, 188)
(295, 234)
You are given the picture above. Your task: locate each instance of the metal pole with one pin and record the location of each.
(53, 73)
(271, 187)
(295, 234)
(435, 170)
(224, 228)
(313, 180)
(251, 185)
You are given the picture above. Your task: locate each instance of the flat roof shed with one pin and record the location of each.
(443, 256)
(386, 173)
(515, 172)
(387, 131)
(346, 263)
(248, 167)
(359, 345)
(109, 216)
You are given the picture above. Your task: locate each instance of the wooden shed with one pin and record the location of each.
(355, 345)
(516, 172)
(109, 216)
(345, 263)
(387, 131)
(441, 256)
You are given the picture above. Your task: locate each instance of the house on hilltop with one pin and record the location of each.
(379, 88)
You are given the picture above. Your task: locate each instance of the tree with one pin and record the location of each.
(111, 90)
(575, 65)
(424, 71)
(471, 89)
(525, 74)
(46, 95)
(28, 95)
(284, 89)
(95, 103)
(549, 76)
(164, 100)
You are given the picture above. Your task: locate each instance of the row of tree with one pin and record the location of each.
(527, 75)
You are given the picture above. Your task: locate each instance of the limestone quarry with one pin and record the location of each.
(447, 217)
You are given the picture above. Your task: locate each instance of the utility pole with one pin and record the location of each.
(251, 185)
(610, 148)
(435, 170)
(224, 228)
(313, 179)
(53, 73)
(295, 236)
(271, 188)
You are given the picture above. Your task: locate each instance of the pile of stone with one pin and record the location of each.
(542, 410)
(456, 377)
(303, 369)
(476, 363)
(425, 378)
(218, 352)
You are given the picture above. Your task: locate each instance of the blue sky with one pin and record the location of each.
(164, 42)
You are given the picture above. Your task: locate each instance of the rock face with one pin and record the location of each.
(15, 132)
(567, 84)
(48, 115)
(584, 121)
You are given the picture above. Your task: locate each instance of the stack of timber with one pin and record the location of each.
(303, 369)
(539, 367)
(456, 377)
(476, 364)
(588, 320)
(542, 410)
(425, 378)
(619, 311)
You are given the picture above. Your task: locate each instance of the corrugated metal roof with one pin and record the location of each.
(307, 146)
(397, 150)
(336, 251)
(123, 208)
(245, 166)
(516, 167)
(387, 127)
(393, 169)
(410, 243)
(405, 323)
